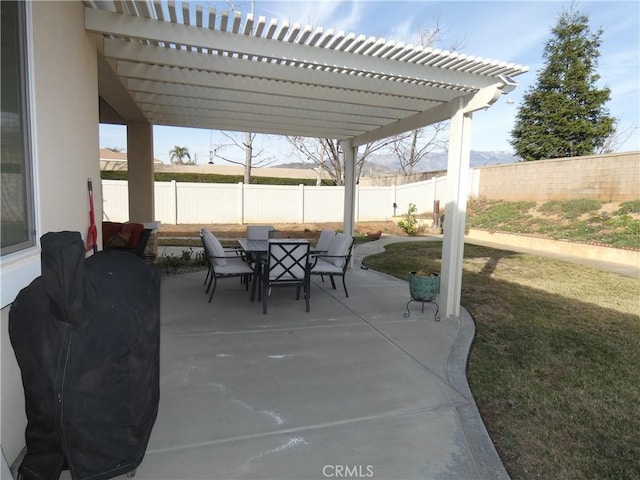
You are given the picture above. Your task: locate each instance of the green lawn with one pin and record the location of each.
(555, 365)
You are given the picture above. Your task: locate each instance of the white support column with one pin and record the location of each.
(140, 172)
(455, 212)
(350, 155)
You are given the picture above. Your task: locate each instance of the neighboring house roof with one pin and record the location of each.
(110, 160)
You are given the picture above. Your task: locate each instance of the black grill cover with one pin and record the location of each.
(86, 335)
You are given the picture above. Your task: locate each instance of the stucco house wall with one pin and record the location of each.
(64, 116)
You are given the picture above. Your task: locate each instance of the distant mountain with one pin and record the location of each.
(438, 161)
(387, 164)
(299, 165)
(370, 168)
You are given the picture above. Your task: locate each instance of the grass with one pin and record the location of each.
(577, 220)
(555, 364)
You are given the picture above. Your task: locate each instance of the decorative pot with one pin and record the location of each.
(424, 287)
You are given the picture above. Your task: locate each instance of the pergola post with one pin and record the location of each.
(140, 175)
(350, 155)
(455, 211)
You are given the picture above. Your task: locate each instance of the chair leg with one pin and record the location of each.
(264, 297)
(307, 293)
(211, 277)
(215, 282)
(333, 282)
(344, 284)
(207, 277)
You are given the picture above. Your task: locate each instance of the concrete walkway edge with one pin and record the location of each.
(480, 444)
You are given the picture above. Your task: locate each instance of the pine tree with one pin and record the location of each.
(564, 114)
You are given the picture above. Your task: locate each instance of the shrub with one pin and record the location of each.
(571, 209)
(409, 224)
(187, 259)
(629, 207)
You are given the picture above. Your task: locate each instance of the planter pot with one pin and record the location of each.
(424, 288)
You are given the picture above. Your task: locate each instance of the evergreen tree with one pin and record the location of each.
(564, 114)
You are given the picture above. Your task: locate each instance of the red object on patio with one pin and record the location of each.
(92, 234)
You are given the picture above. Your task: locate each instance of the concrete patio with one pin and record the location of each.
(351, 389)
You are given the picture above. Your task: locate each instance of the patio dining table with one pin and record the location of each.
(257, 249)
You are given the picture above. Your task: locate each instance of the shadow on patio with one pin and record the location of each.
(351, 387)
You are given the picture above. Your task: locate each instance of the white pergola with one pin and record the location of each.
(191, 66)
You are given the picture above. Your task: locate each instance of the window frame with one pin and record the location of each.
(20, 263)
(25, 133)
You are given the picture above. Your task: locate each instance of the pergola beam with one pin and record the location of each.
(249, 84)
(151, 99)
(251, 98)
(471, 102)
(105, 22)
(136, 52)
(231, 116)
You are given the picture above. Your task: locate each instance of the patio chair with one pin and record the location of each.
(336, 261)
(259, 232)
(286, 265)
(223, 264)
(227, 250)
(324, 240)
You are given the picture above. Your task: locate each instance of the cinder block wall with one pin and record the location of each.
(613, 177)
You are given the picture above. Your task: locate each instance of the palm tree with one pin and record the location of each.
(177, 155)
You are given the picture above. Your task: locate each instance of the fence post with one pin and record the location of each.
(241, 202)
(394, 198)
(174, 202)
(301, 189)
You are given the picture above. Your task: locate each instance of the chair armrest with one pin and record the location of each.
(316, 257)
(239, 256)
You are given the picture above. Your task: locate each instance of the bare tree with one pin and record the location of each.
(326, 155)
(619, 136)
(413, 147)
(250, 155)
(247, 144)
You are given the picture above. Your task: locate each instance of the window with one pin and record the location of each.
(17, 230)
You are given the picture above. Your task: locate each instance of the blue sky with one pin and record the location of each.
(512, 31)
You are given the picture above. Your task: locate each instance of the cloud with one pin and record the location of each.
(339, 15)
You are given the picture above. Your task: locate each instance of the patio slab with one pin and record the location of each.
(351, 389)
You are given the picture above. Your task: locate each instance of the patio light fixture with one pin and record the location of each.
(508, 84)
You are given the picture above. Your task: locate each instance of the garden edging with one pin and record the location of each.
(561, 247)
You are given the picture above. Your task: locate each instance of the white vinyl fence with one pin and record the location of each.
(239, 203)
